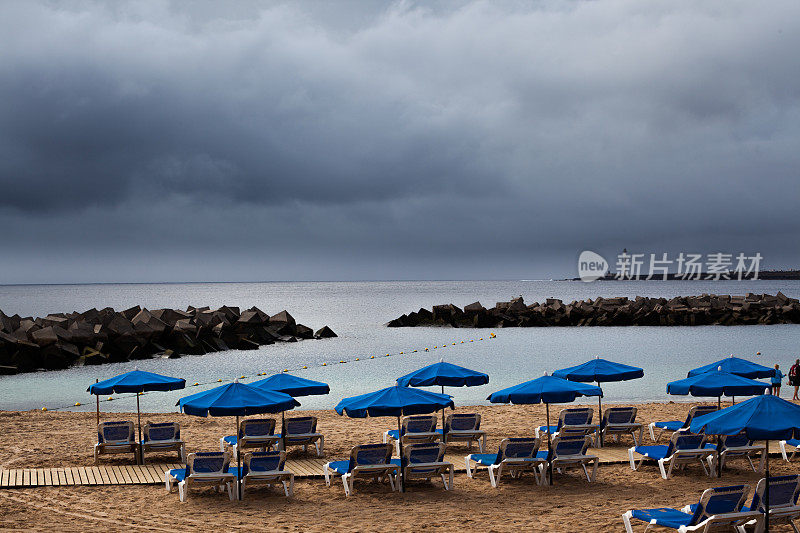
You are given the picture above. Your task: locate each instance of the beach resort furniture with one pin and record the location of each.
(684, 448)
(370, 461)
(464, 427)
(575, 421)
(302, 431)
(202, 468)
(735, 447)
(515, 457)
(115, 437)
(425, 461)
(569, 451)
(163, 437)
(254, 433)
(621, 421)
(416, 428)
(266, 467)
(783, 493)
(719, 509)
(794, 443)
(676, 425)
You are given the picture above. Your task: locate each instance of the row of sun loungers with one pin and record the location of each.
(724, 509)
(464, 427)
(120, 437)
(259, 433)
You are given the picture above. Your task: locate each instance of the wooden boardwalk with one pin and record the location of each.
(152, 474)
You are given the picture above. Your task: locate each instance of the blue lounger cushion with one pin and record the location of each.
(179, 474)
(393, 433)
(484, 459)
(230, 439)
(793, 442)
(671, 425)
(340, 467)
(653, 452)
(548, 429)
(664, 516)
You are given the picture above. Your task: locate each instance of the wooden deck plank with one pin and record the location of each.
(41, 480)
(158, 473)
(70, 473)
(26, 477)
(135, 477)
(4, 478)
(106, 479)
(83, 476)
(126, 478)
(48, 477)
(62, 476)
(145, 478)
(90, 480)
(112, 476)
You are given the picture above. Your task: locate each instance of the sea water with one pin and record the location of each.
(358, 312)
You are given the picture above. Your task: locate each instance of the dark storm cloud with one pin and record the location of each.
(411, 135)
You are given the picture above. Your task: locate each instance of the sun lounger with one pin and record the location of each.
(569, 451)
(735, 447)
(783, 493)
(417, 428)
(515, 457)
(684, 448)
(115, 437)
(425, 461)
(302, 431)
(719, 509)
(266, 467)
(371, 461)
(202, 468)
(163, 437)
(621, 421)
(254, 433)
(464, 427)
(677, 425)
(572, 422)
(794, 443)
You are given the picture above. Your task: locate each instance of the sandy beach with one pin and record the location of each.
(57, 439)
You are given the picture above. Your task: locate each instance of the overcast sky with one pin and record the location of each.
(161, 141)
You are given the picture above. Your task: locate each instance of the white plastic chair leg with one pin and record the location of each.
(664, 473)
(347, 487)
(630, 457)
(320, 444)
(182, 491)
(626, 519)
(467, 461)
(494, 475)
(327, 473)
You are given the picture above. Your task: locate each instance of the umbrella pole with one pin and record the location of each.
(766, 489)
(444, 437)
(549, 449)
(283, 431)
(238, 463)
(600, 417)
(139, 420)
(400, 443)
(97, 399)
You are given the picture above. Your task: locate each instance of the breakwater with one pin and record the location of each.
(95, 337)
(706, 309)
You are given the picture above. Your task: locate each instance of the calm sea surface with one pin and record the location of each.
(358, 311)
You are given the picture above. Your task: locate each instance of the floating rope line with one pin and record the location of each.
(285, 370)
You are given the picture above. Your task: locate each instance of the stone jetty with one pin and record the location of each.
(703, 310)
(94, 337)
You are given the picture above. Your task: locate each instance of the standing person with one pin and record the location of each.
(794, 377)
(776, 381)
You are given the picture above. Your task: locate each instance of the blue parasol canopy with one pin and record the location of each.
(738, 366)
(236, 399)
(715, 384)
(444, 374)
(547, 389)
(761, 418)
(292, 385)
(599, 371)
(137, 381)
(394, 401)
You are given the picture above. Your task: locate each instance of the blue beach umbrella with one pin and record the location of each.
(444, 375)
(600, 371)
(236, 399)
(295, 387)
(763, 417)
(716, 384)
(135, 381)
(547, 390)
(738, 366)
(394, 401)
